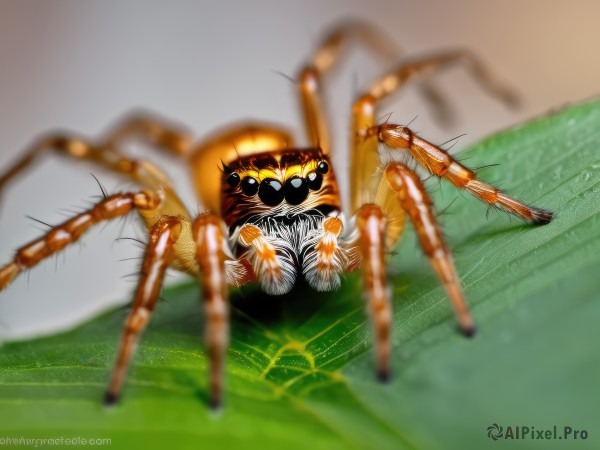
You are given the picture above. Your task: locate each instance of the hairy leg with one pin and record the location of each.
(211, 257)
(442, 164)
(159, 253)
(413, 199)
(70, 231)
(364, 150)
(106, 152)
(328, 53)
(151, 128)
(371, 222)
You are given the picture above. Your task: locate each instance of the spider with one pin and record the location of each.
(273, 210)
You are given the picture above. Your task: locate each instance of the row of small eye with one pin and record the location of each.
(272, 192)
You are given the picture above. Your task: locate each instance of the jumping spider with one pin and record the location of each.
(273, 210)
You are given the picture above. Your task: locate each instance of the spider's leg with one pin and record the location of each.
(370, 223)
(142, 172)
(78, 148)
(70, 143)
(149, 127)
(158, 256)
(413, 199)
(106, 151)
(313, 111)
(326, 56)
(70, 231)
(211, 256)
(364, 162)
(339, 38)
(424, 66)
(440, 163)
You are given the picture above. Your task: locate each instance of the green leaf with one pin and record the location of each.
(300, 367)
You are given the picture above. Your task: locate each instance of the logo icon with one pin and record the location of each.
(494, 431)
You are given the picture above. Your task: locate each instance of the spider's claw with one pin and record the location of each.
(468, 331)
(215, 403)
(541, 216)
(383, 376)
(110, 398)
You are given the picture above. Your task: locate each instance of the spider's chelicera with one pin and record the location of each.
(273, 210)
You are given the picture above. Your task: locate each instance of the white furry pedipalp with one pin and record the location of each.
(281, 249)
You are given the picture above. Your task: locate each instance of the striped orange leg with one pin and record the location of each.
(328, 53)
(70, 231)
(159, 254)
(364, 151)
(371, 222)
(415, 201)
(75, 147)
(142, 172)
(440, 163)
(151, 128)
(410, 69)
(67, 143)
(106, 152)
(211, 256)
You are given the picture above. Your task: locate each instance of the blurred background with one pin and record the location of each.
(80, 65)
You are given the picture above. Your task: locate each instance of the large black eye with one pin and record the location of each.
(296, 190)
(315, 180)
(233, 179)
(323, 167)
(270, 192)
(249, 186)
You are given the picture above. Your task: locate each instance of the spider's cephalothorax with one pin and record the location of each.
(280, 201)
(283, 183)
(273, 211)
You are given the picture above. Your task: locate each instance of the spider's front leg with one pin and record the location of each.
(367, 136)
(413, 199)
(159, 255)
(70, 231)
(370, 223)
(405, 187)
(364, 145)
(211, 256)
(441, 163)
(163, 236)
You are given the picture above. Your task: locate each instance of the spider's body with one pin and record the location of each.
(273, 210)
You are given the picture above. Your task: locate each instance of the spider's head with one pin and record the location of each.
(285, 182)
